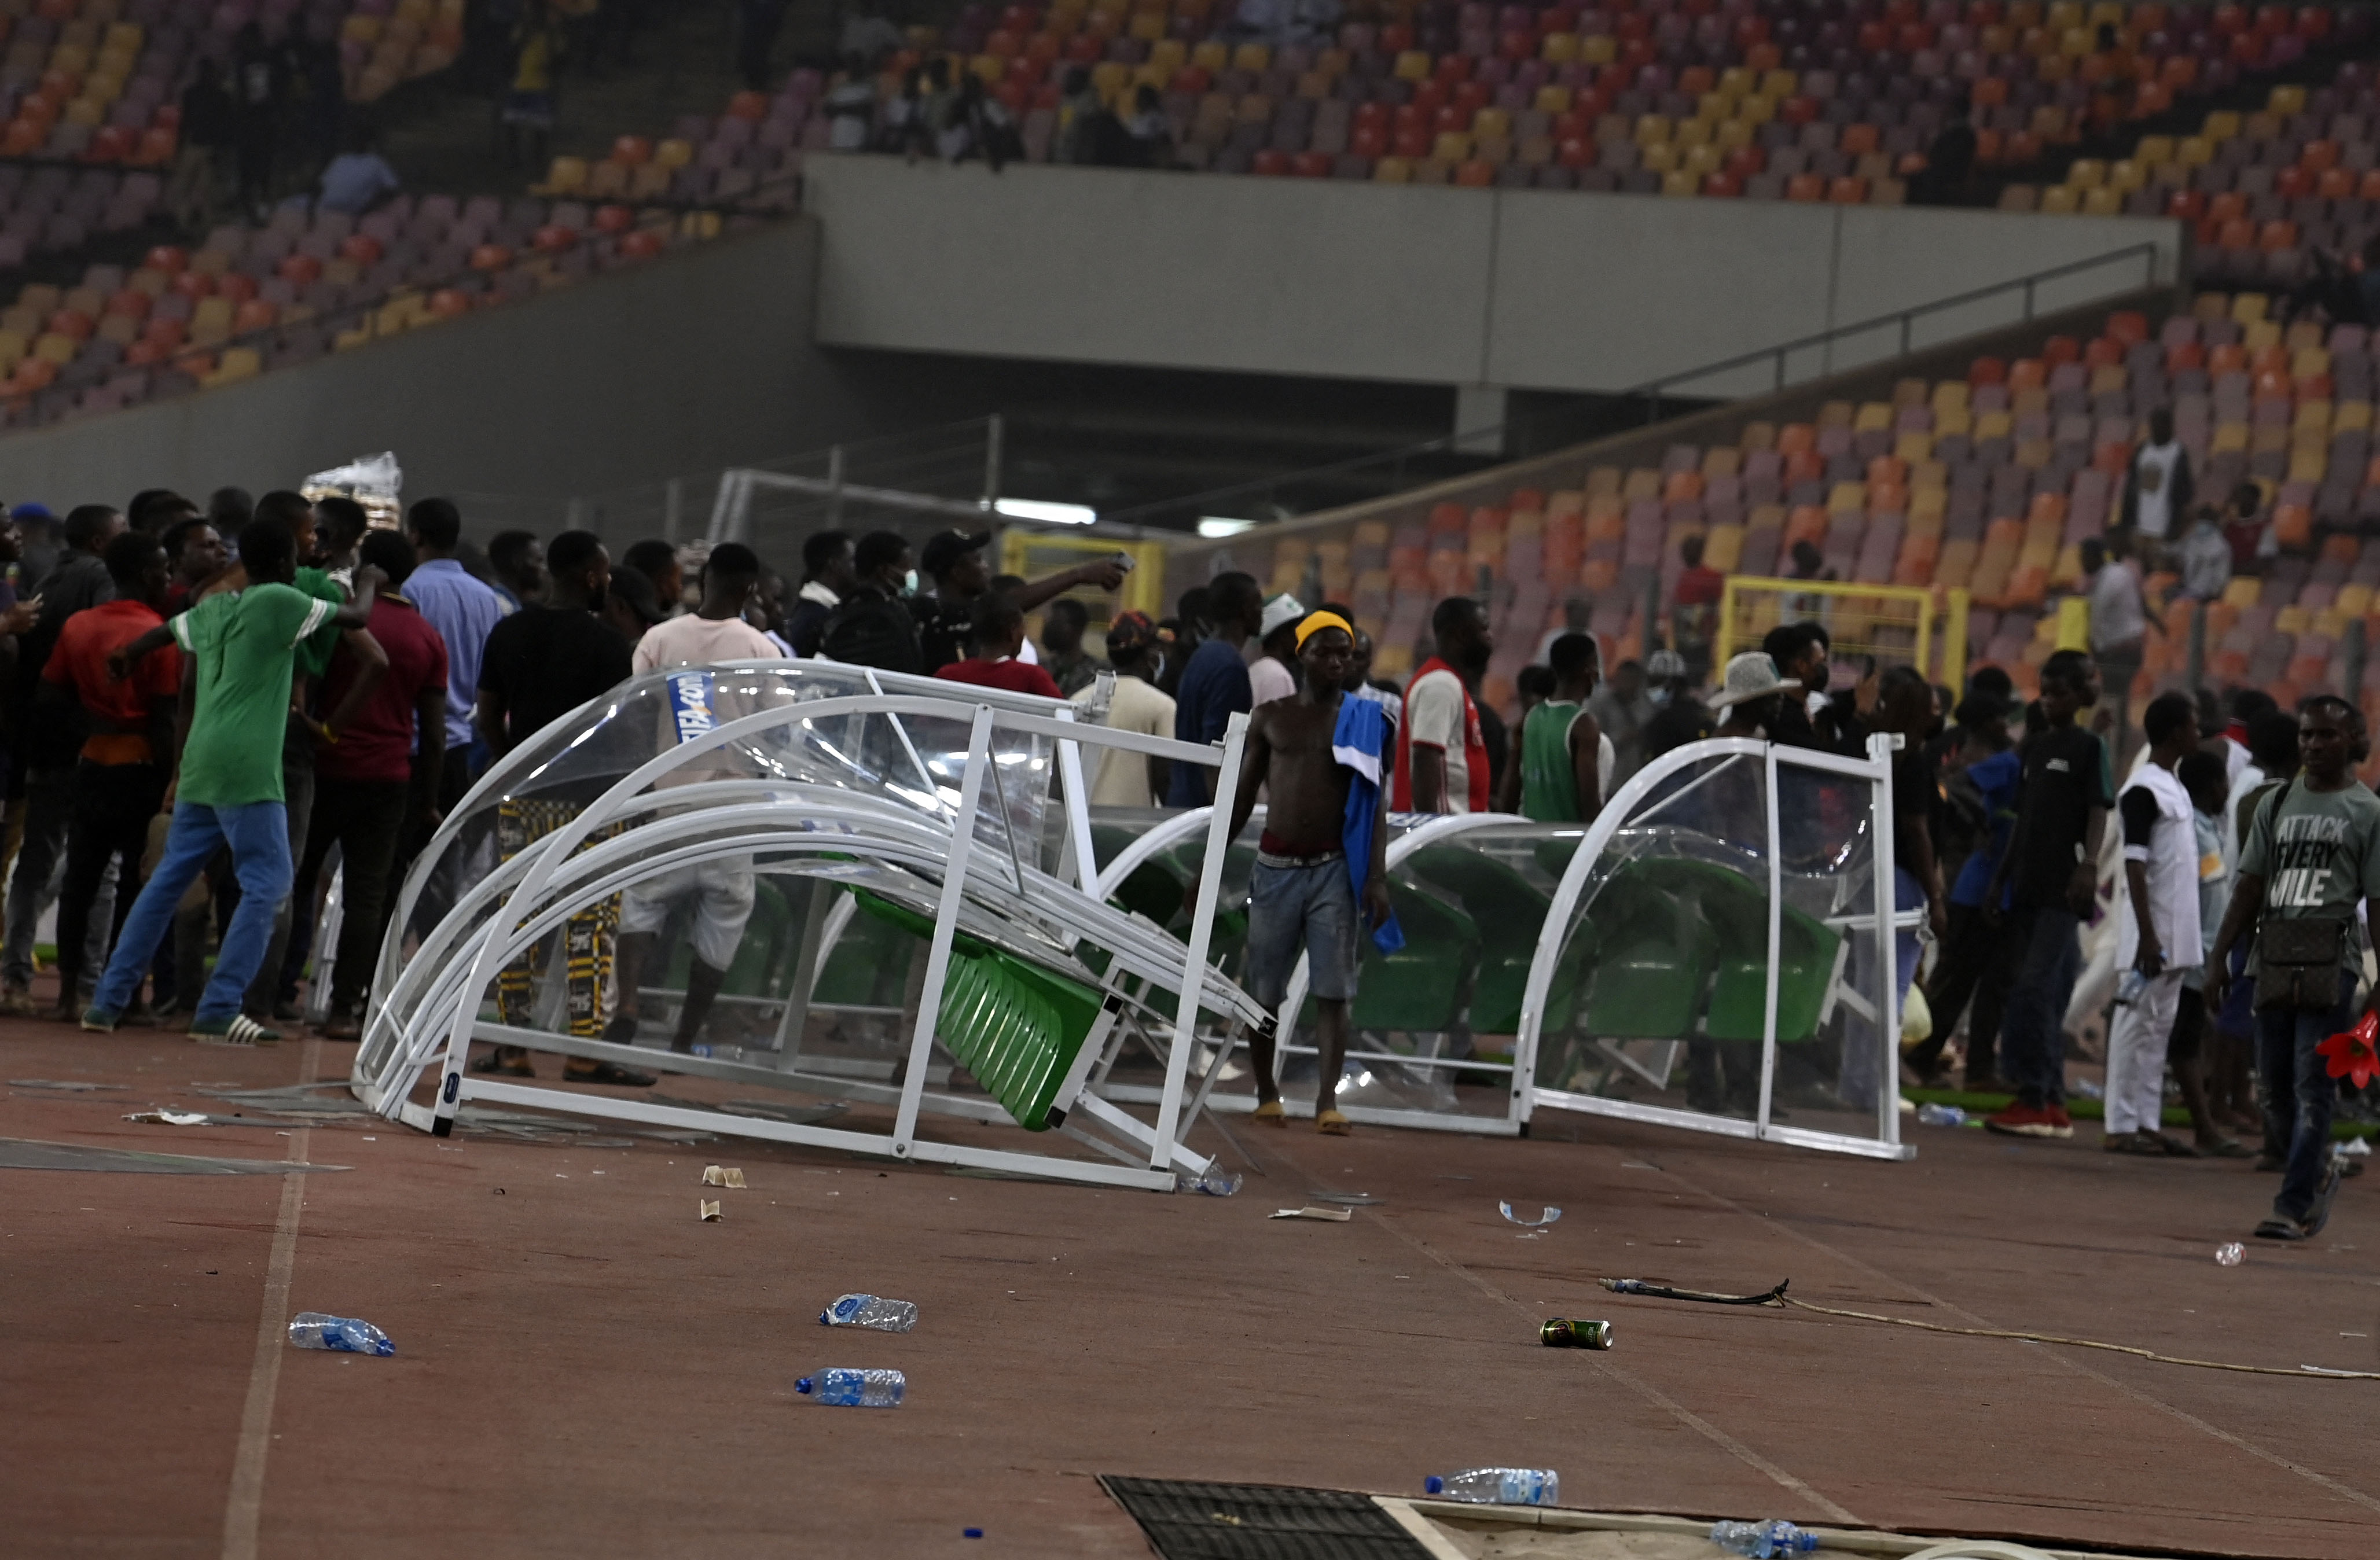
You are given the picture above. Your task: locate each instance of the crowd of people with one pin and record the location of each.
(205, 702)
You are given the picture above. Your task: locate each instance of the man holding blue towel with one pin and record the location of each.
(1322, 853)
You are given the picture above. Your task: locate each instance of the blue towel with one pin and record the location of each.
(1360, 741)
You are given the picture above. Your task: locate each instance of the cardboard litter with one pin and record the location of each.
(711, 1213)
(714, 1176)
(1327, 1216)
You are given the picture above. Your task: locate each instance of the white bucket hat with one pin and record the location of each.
(1751, 675)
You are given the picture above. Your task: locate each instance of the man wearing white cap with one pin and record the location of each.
(1269, 676)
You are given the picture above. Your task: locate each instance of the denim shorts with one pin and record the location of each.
(1301, 902)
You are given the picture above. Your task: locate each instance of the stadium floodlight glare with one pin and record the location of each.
(1048, 514)
(1221, 525)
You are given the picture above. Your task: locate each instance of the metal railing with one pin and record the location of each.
(1904, 321)
(1454, 454)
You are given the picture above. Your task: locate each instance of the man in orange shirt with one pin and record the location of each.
(119, 780)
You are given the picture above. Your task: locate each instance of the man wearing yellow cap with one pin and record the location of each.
(1322, 849)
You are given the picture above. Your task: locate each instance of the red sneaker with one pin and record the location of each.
(2060, 1124)
(2023, 1120)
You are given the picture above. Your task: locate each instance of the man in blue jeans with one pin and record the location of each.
(2051, 875)
(2311, 853)
(226, 790)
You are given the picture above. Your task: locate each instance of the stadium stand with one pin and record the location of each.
(2262, 191)
(253, 299)
(1987, 483)
(1772, 99)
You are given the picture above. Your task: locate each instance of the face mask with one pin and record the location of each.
(910, 582)
(1660, 695)
(1819, 685)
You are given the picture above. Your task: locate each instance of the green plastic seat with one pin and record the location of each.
(1417, 987)
(868, 967)
(1013, 1024)
(1649, 958)
(1510, 912)
(1737, 910)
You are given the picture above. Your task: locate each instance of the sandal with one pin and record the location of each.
(508, 1064)
(2173, 1148)
(2135, 1142)
(610, 1072)
(2226, 1148)
(2277, 1229)
(1271, 1113)
(1330, 1123)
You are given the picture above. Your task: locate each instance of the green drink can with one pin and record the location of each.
(1567, 1333)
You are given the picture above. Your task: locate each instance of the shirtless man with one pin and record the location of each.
(1303, 893)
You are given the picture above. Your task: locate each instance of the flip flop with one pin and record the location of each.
(2174, 1147)
(2281, 1230)
(510, 1067)
(1332, 1124)
(2228, 1148)
(2134, 1143)
(1271, 1113)
(610, 1072)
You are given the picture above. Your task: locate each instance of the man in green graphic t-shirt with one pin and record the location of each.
(226, 787)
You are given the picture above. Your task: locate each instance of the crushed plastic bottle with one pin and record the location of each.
(2089, 1089)
(1216, 1182)
(845, 1388)
(2128, 989)
(341, 1335)
(2229, 1255)
(1931, 1115)
(1497, 1486)
(872, 1311)
(1762, 1541)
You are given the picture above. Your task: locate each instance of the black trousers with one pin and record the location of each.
(113, 805)
(1979, 961)
(363, 819)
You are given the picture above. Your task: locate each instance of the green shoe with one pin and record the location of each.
(99, 1021)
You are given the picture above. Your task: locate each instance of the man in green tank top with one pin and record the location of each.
(1564, 756)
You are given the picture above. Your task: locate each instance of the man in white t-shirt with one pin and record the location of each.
(2156, 929)
(1269, 676)
(1124, 779)
(2157, 489)
(723, 889)
(1442, 749)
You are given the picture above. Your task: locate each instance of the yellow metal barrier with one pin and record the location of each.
(1899, 626)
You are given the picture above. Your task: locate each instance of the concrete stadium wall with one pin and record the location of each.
(699, 359)
(1523, 289)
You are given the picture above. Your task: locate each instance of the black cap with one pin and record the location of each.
(632, 587)
(948, 547)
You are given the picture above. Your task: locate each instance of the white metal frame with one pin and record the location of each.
(542, 885)
(1422, 830)
(1882, 925)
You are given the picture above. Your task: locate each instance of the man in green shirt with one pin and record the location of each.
(1565, 758)
(228, 787)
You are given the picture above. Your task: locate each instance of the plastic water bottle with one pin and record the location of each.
(342, 1335)
(872, 1311)
(1217, 1181)
(2128, 989)
(855, 1389)
(1761, 1541)
(1497, 1486)
(1933, 1115)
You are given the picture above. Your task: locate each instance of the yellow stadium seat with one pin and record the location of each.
(567, 177)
